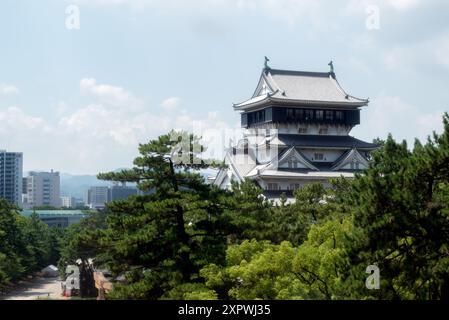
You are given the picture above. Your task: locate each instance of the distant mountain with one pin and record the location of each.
(77, 185)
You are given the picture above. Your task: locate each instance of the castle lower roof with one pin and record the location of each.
(325, 141)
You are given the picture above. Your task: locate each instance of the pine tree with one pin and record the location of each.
(401, 208)
(161, 239)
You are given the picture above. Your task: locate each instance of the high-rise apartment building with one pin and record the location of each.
(11, 171)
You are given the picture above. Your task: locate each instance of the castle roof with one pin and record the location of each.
(300, 87)
(323, 141)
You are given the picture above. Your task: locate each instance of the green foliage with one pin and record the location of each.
(256, 218)
(322, 260)
(191, 291)
(188, 240)
(313, 204)
(163, 239)
(81, 240)
(251, 214)
(261, 270)
(26, 245)
(402, 209)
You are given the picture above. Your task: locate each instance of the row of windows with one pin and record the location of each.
(281, 114)
(293, 163)
(320, 115)
(257, 117)
(275, 186)
(303, 130)
(318, 157)
(272, 186)
(355, 165)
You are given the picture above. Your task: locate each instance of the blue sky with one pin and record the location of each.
(80, 101)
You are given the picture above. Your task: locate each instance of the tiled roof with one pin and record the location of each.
(301, 174)
(309, 86)
(325, 141)
(301, 87)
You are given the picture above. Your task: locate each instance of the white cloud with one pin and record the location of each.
(290, 11)
(359, 6)
(403, 4)
(109, 95)
(61, 108)
(100, 136)
(98, 124)
(16, 119)
(171, 104)
(391, 114)
(97, 138)
(6, 89)
(435, 50)
(110, 131)
(288, 7)
(442, 50)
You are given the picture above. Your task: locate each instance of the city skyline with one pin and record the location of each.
(80, 100)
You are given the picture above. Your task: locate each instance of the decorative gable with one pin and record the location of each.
(292, 159)
(351, 160)
(263, 88)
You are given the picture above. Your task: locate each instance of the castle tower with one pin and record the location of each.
(307, 118)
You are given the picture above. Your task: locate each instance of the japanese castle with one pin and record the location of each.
(296, 131)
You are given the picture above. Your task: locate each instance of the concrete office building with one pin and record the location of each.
(43, 189)
(97, 197)
(11, 171)
(121, 192)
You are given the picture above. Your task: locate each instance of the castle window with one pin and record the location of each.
(339, 115)
(329, 115)
(319, 156)
(290, 114)
(294, 186)
(302, 130)
(323, 131)
(309, 114)
(272, 186)
(319, 114)
(355, 165)
(293, 164)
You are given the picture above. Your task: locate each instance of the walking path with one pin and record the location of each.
(38, 288)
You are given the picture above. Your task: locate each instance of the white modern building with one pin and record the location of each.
(69, 202)
(11, 171)
(42, 189)
(297, 131)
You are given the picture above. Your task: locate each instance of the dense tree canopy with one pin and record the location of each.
(401, 207)
(26, 245)
(184, 239)
(163, 238)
